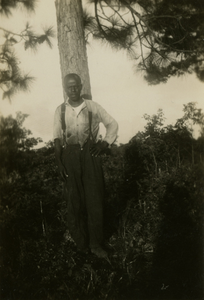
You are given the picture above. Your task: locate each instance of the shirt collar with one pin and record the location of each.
(67, 103)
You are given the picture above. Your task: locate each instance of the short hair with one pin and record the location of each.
(74, 76)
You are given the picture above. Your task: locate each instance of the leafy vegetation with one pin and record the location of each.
(153, 218)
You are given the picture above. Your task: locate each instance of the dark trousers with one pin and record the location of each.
(84, 195)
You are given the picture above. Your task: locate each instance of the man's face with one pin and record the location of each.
(73, 89)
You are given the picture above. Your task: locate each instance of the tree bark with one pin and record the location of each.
(71, 41)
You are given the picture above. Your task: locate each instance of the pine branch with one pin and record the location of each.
(169, 36)
(11, 78)
(31, 39)
(17, 84)
(6, 6)
(29, 5)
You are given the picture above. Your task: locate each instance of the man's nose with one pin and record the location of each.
(73, 88)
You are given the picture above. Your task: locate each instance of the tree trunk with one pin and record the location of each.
(71, 41)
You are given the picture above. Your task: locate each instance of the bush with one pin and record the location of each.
(153, 226)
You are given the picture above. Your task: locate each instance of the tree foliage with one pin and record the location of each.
(8, 5)
(165, 38)
(14, 142)
(12, 80)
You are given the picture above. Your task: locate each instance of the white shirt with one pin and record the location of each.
(77, 109)
(77, 123)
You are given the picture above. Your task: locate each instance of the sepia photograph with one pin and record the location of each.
(101, 150)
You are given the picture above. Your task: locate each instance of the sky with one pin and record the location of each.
(115, 84)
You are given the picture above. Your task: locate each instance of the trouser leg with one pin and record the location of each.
(94, 195)
(74, 196)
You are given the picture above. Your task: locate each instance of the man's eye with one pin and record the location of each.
(73, 87)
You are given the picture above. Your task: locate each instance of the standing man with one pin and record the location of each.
(77, 151)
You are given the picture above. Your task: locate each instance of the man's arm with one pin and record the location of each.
(58, 136)
(110, 124)
(58, 153)
(111, 132)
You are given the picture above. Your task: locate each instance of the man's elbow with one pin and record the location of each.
(115, 126)
(112, 131)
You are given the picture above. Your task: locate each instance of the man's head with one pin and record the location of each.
(73, 86)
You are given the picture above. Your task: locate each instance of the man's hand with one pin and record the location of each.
(98, 148)
(62, 172)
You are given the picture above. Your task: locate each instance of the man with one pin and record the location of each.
(77, 151)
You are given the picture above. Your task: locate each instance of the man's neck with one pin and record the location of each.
(76, 103)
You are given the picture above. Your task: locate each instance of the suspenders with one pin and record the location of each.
(90, 123)
(64, 124)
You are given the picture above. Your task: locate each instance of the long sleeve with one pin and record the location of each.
(110, 124)
(77, 125)
(57, 126)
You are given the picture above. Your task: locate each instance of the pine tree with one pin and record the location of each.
(71, 40)
(164, 37)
